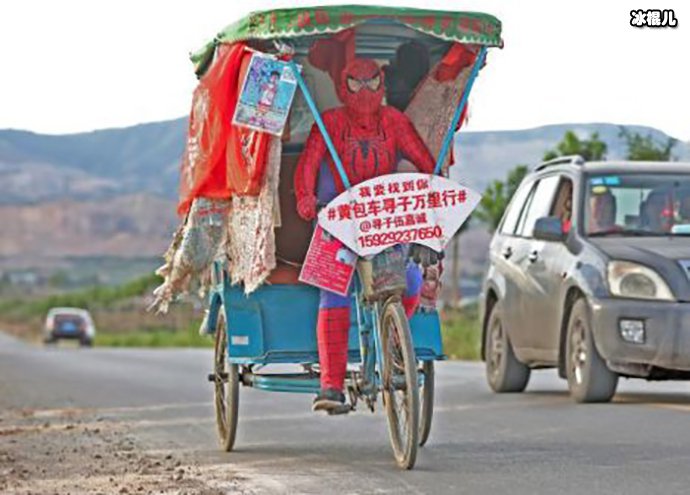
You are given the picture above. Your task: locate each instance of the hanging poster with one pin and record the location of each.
(267, 93)
(329, 264)
(399, 208)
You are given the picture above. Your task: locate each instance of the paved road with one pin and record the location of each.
(536, 442)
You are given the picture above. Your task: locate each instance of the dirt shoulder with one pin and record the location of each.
(64, 451)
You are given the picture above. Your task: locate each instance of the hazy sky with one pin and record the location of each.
(77, 65)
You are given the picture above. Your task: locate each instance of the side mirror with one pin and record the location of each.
(549, 229)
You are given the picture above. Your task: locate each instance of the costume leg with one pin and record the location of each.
(332, 332)
(410, 299)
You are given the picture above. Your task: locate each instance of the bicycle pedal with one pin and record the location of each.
(212, 377)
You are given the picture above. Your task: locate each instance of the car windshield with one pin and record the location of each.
(644, 204)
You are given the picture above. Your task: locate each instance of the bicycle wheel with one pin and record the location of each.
(399, 382)
(427, 401)
(227, 388)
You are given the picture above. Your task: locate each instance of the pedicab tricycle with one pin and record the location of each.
(429, 61)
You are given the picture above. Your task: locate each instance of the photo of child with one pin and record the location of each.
(267, 93)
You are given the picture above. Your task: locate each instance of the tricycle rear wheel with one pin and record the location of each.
(399, 382)
(427, 401)
(226, 387)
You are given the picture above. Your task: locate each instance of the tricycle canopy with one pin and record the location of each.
(428, 61)
(462, 27)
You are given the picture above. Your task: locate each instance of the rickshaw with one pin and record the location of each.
(275, 324)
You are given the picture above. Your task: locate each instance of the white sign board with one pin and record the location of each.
(399, 209)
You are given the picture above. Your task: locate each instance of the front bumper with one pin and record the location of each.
(667, 333)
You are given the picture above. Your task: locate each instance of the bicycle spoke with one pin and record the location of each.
(397, 371)
(399, 383)
(403, 406)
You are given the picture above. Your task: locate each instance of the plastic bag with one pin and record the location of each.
(388, 273)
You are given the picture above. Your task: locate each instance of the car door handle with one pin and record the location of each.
(507, 252)
(533, 256)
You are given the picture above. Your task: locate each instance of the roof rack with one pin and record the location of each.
(561, 160)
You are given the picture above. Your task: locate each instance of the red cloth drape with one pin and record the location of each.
(221, 159)
(203, 171)
(457, 58)
(246, 152)
(332, 54)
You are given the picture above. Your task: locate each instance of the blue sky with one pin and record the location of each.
(78, 65)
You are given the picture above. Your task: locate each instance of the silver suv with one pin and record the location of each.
(589, 273)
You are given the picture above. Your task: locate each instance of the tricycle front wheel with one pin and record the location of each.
(399, 382)
(226, 388)
(427, 401)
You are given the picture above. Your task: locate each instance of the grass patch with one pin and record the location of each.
(460, 329)
(462, 333)
(155, 338)
(119, 313)
(90, 298)
(119, 309)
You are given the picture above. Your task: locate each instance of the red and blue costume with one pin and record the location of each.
(370, 139)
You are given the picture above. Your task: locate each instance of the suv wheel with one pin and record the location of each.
(589, 379)
(503, 371)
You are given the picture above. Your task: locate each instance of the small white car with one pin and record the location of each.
(69, 323)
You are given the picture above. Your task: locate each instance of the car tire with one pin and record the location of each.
(50, 340)
(504, 373)
(86, 342)
(589, 379)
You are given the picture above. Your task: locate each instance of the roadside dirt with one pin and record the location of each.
(78, 452)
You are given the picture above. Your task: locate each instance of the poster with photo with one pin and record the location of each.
(267, 92)
(329, 264)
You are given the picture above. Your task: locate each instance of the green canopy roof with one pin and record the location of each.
(463, 27)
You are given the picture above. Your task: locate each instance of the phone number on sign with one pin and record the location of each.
(400, 236)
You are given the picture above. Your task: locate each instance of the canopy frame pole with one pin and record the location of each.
(319, 122)
(448, 138)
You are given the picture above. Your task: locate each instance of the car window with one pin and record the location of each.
(563, 204)
(515, 207)
(539, 204)
(637, 204)
(525, 209)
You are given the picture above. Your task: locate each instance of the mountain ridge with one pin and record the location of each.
(145, 158)
(112, 192)
(507, 148)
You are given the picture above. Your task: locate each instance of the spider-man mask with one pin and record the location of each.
(361, 87)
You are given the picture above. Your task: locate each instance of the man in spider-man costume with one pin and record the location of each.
(370, 139)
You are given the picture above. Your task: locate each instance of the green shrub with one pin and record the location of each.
(92, 298)
(462, 334)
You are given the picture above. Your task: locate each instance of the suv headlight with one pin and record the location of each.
(627, 279)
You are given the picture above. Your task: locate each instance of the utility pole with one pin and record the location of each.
(455, 294)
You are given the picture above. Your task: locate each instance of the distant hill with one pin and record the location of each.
(139, 159)
(112, 192)
(484, 156)
(128, 225)
(145, 158)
